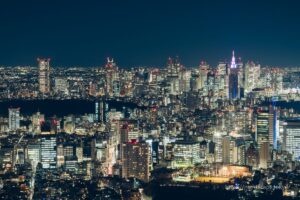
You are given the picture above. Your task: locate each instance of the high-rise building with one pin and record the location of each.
(267, 126)
(37, 119)
(233, 85)
(174, 67)
(291, 137)
(14, 118)
(99, 111)
(203, 71)
(273, 127)
(262, 126)
(111, 75)
(136, 160)
(33, 154)
(44, 75)
(61, 86)
(264, 155)
(218, 149)
(227, 150)
(186, 154)
(252, 74)
(48, 152)
(252, 156)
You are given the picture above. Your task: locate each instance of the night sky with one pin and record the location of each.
(144, 32)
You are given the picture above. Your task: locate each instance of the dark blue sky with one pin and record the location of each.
(144, 32)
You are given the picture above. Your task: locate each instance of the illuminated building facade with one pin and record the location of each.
(291, 137)
(262, 126)
(48, 152)
(233, 80)
(252, 74)
(14, 118)
(136, 160)
(186, 154)
(44, 75)
(33, 153)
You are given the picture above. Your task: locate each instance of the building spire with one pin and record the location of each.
(233, 65)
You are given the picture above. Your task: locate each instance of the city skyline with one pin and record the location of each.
(140, 100)
(144, 34)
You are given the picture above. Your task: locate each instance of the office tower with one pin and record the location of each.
(174, 67)
(14, 118)
(203, 71)
(128, 132)
(266, 126)
(239, 155)
(33, 154)
(44, 75)
(273, 127)
(61, 85)
(264, 155)
(186, 154)
(195, 82)
(252, 156)
(241, 78)
(111, 75)
(210, 85)
(233, 80)
(48, 152)
(272, 78)
(262, 126)
(136, 160)
(252, 74)
(218, 150)
(116, 88)
(79, 153)
(60, 158)
(223, 79)
(227, 150)
(291, 137)
(185, 81)
(97, 111)
(37, 119)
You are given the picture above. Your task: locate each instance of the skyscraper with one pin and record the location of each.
(264, 155)
(14, 118)
(61, 85)
(33, 153)
(203, 71)
(44, 75)
(262, 126)
(136, 160)
(111, 75)
(273, 122)
(186, 154)
(227, 150)
(252, 73)
(233, 80)
(266, 126)
(291, 137)
(48, 152)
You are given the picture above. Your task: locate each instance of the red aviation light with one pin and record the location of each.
(133, 141)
